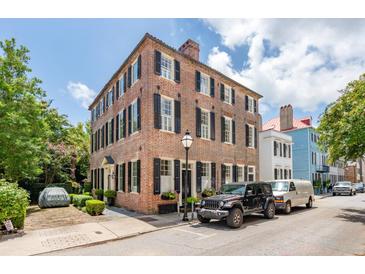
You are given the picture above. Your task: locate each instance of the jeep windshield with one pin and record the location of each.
(280, 186)
(233, 189)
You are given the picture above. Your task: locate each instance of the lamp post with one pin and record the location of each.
(187, 140)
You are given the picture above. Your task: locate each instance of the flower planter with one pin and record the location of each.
(110, 201)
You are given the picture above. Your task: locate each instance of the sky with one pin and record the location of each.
(302, 62)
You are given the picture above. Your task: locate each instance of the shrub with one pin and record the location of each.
(191, 200)
(99, 192)
(87, 187)
(71, 197)
(95, 207)
(79, 200)
(208, 192)
(87, 193)
(110, 193)
(13, 203)
(168, 196)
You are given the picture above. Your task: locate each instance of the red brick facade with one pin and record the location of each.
(150, 143)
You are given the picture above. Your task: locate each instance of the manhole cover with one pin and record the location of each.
(147, 219)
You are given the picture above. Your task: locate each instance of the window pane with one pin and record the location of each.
(227, 95)
(204, 84)
(134, 72)
(134, 176)
(205, 169)
(166, 67)
(205, 124)
(166, 114)
(227, 130)
(166, 168)
(134, 117)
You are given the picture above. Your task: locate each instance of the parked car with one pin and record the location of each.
(344, 187)
(360, 187)
(236, 200)
(53, 197)
(290, 193)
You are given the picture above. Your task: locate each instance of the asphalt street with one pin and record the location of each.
(334, 226)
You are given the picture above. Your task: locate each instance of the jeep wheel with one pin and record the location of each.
(269, 212)
(287, 208)
(235, 218)
(310, 203)
(202, 219)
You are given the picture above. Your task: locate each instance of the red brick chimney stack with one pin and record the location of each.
(190, 48)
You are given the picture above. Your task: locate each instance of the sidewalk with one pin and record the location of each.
(124, 224)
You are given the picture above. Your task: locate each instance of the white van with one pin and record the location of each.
(292, 192)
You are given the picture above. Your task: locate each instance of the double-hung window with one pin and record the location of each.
(204, 84)
(167, 67)
(134, 118)
(227, 130)
(167, 183)
(134, 179)
(240, 175)
(121, 125)
(121, 86)
(110, 132)
(93, 116)
(205, 173)
(250, 104)
(227, 95)
(109, 97)
(167, 114)
(120, 177)
(134, 71)
(251, 136)
(101, 106)
(228, 173)
(205, 124)
(251, 173)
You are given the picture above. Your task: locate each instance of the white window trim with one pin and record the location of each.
(120, 137)
(230, 95)
(253, 137)
(254, 173)
(251, 104)
(208, 84)
(109, 126)
(209, 124)
(172, 114)
(172, 72)
(133, 81)
(243, 172)
(120, 91)
(172, 182)
(133, 162)
(119, 167)
(134, 132)
(101, 107)
(231, 172)
(230, 119)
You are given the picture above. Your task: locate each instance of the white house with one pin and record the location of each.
(276, 161)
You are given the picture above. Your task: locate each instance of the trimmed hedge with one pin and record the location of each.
(79, 200)
(13, 203)
(87, 187)
(71, 197)
(95, 207)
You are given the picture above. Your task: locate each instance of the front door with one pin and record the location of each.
(183, 184)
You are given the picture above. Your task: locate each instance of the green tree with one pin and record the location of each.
(23, 128)
(342, 125)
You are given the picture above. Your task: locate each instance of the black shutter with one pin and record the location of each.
(247, 135)
(97, 178)
(129, 119)
(139, 67)
(117, 89)
(197, 81)
(246, 103)
(255, 137)
(112, 125)
(177, 71)
(106, 134)
(212, 87)
(157, 110)
(254, 106)
(233, 96)
(234, 171)
(123, 177)
(129, 76)
(104, 104)
(223, 174)
(222, 129)
(222, 92)
(177, 175)
(92, 142)
(125, 82)
(233, 132)
(198, 177)
(198, 122)
(113, 91)
(138, 176)
(156, 176)
(124, 123)
(117, 127)
(116, 177)
(245, 174)
(157, 62)
(139, 113)
(102, 178)
(213, 176)
(177, 117)
(212, 125)
(129, 177)
(102, 137)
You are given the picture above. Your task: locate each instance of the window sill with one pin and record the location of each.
(167, 131)
(227, 103)
(228, 143)
(205, 139)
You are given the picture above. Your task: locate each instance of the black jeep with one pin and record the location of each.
(236, 200)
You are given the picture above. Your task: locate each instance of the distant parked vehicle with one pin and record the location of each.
(53, 197)
(344, 188)
(290, 193)
(237, 200)
(360, 187)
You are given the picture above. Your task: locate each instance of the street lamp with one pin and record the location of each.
(186, 141)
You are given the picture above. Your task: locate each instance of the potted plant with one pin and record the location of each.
(110, 196)
(99, 193)
(208, 192)
(317, 186)
(168, 196)
(192, 200)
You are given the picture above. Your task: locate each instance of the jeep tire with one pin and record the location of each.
(202, 219)
(269, 211)
(235, 218)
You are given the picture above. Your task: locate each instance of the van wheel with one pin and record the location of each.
(287, 208)
(235, 218)
(351, 193)
(269, 212)
(334, 194)
(202, 219)
(310, 203)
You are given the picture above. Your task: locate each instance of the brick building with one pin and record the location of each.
(355, 171)
(140, 116)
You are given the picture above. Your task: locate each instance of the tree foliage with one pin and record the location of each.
(342, 125)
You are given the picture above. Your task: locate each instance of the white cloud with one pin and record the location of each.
(81, 92)
(299, 61)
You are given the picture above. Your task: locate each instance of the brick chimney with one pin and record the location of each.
(286, 117)
(190, 48)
